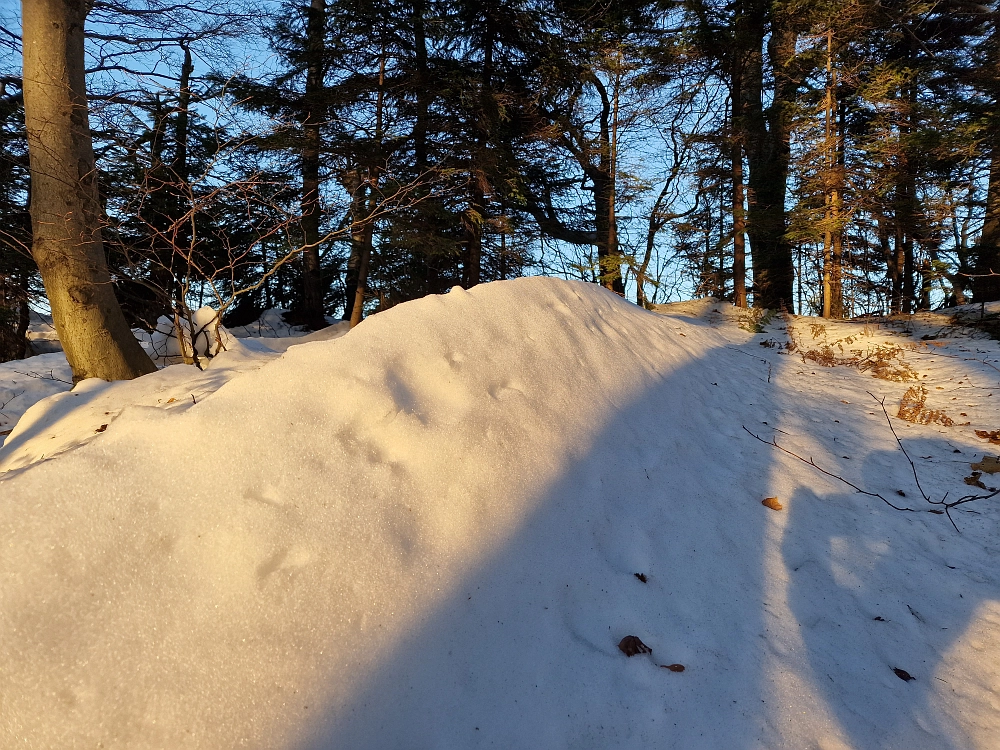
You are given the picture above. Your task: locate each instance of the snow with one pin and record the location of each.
(426, 533)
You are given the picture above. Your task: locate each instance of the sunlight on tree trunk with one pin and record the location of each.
(65, 210)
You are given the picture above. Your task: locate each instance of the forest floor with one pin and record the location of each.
(446, 528)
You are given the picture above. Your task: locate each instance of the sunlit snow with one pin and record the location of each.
(426, 533)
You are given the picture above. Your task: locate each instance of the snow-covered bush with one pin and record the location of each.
(171, 341)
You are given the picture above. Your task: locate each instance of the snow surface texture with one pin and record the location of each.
(71, 419)
(425, 534)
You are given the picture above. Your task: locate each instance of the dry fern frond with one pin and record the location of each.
(913, 408)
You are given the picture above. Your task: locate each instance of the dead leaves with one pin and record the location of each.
(989, 465)
(974, 480)
(630, 645)
(772, 503)
(641, 577)
(912, 408)
(993, 437)
(903, 674)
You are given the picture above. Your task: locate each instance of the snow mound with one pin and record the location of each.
(430, 532)
(179, 341)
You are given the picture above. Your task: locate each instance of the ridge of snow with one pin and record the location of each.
(425, 533)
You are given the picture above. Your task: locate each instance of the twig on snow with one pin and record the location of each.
(944, 505)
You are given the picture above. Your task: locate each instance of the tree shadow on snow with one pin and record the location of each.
(893, 593)
(523, 654)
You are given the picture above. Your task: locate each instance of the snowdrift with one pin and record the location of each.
(429, 533)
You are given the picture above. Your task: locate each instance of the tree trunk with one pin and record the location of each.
(65, 209)
(473, 220)
(603, 176)
(364, 262)
(352, 183)
(986, 281)
(181, 126)
(905, 209)
(312, 314)
(833, 294)
(836, 205)
(364, 227)
(895, 269)
(768, 133)
(739, 229)
(737, 124)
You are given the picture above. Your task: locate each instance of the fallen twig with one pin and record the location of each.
(50, 376)
(944, 505)
(774, 443)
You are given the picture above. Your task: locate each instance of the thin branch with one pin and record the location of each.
(772, 442)
(888, 421)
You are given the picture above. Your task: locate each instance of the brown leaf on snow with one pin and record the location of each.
(993, 437)
(641, 577)
(102, 428)
(989, 464)
(974, 480)
(772, 503)
(630, 645)
(673, 667)
(903, 674)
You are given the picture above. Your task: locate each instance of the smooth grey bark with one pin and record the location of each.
(65, 210)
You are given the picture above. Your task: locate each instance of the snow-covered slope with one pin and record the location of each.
(427, 534)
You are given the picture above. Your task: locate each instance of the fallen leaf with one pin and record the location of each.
(772, 503)
(879, 619)
(993, 437)
(171, 400)
(630, 646)
(903, 674)
(6, 432)
(989, 464)
(640, 576)
(102, 428)
(974, 480)
(673, 667)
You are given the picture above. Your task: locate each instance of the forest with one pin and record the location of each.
(335, 158)
(530, 374)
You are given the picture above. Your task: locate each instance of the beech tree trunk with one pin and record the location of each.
(65, 209)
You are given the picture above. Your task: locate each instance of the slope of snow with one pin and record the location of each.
(27, 385)
(426, 533)
(25, 382)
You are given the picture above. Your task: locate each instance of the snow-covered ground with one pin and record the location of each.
(435, 530)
